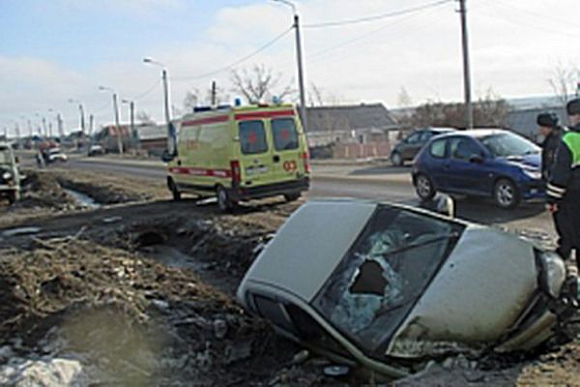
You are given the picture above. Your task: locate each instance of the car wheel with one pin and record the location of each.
(292, 197)
(396, 159)
(225, 204)
(174, 191)
(424, 187)
(506, 194)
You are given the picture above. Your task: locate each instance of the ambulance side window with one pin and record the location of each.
(285, 134)
(252, 137)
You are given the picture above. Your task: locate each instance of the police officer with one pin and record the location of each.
(552, 134)
(563, 187)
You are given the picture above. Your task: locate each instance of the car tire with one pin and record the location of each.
(396, 159)
(224, 201)
(506, 194)
(424, 187)
(174, 191)
(292, 197)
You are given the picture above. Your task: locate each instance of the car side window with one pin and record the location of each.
(426, 136)
(415, 138)
(464, 148)
(437, 149)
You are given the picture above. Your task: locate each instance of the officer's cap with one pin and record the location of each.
(573, 107)
(547, 119)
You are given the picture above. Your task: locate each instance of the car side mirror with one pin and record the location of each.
(166, 157)
(476, 159)
(441, 204)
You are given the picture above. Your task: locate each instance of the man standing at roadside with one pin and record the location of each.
(563, 187)
(552, 134)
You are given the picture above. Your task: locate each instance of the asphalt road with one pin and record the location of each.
(378, 183)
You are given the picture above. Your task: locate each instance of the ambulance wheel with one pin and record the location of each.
(174, 191)
(225, 204)
(292, 197)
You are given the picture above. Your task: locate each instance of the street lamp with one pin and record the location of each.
(301, 89)
(171, 140)
(82, 112)
(116, 108)
(42, 132)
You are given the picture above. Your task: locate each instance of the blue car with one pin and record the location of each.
(481, 162)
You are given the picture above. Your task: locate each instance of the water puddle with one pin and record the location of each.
(82, 199)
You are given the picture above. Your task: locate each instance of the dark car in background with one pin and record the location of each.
(409, 146)
(481, 162)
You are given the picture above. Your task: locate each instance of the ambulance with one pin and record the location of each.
(240, 153)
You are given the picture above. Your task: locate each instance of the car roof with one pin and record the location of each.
(333, 226)
(476, 133)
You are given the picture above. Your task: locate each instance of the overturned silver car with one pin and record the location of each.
(390, 287)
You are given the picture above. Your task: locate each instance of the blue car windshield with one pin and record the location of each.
(509, 144)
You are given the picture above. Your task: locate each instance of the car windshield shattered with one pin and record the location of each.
(384, 273)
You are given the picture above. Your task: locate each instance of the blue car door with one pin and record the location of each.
(437, 159)
(465, 170)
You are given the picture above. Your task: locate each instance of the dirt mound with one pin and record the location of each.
(124, 315)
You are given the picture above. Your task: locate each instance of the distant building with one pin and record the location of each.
(107, 138)
(523, 121)
(153, 138)
(349, 124)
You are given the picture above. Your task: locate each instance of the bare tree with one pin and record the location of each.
(144, 118)
(404, 99)
(191, 100)
(315, 95)
(489, 111)
(260, 83)
(565, 81)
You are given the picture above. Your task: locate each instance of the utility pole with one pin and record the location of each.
(131, 116)
(119, 134)
(91, 124)
(82, 111)
(301, 89)
(116, 112)
(171, 135)
(29, 128)
(213, 94)
(60, 127)
(45, 130)
(466, 70)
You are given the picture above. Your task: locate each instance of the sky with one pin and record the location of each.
(58, 51)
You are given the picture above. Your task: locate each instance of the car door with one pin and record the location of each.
(465, 170)
(438, 158)
(412, 146)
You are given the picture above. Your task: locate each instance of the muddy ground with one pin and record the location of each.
(140, 292)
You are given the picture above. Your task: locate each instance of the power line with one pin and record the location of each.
(146, 92)
(237, 62)
(377, 17)
(313, 57)
(537, 15)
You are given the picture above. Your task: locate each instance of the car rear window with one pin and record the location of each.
(285, 134)
(252, 137)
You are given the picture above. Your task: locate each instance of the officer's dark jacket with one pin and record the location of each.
(564, 178)
(549, 149)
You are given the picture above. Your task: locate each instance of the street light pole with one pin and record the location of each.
(466, 69)
(301, 88)
(171, 135)
(116, 108)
